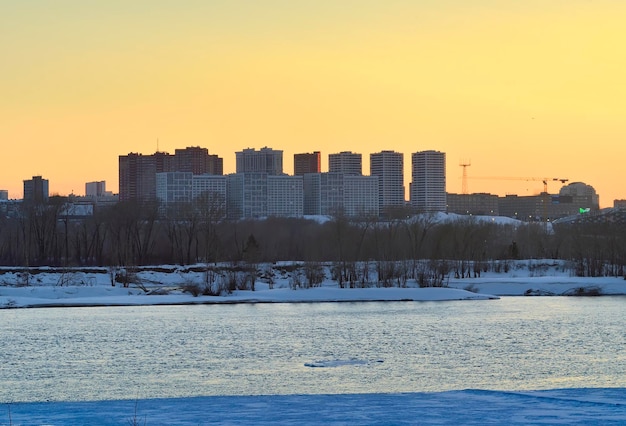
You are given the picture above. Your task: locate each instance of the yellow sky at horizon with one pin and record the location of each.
(521, 89)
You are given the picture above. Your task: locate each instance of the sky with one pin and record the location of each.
(523, 90)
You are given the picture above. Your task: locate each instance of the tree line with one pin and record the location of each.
(144, 233)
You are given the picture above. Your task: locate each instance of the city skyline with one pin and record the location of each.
(347, 158)
(521, 89)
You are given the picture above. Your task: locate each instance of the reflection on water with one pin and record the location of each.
(169, 351)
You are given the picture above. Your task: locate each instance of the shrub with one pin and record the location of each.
(472, 288)
(584, 291)
(192, 288)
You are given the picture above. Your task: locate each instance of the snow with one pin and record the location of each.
(162, 285)
(559, 406)
(442, 217)
(57, 296)
(93, 288)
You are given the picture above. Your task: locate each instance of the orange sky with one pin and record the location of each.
(520, 89)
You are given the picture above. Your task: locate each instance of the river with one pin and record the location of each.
(515, 343)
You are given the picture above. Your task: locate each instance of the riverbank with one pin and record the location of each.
(171, 285)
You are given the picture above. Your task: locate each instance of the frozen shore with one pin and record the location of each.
(165, 286)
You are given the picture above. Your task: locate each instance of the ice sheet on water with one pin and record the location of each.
(557, 406)
(340, 363)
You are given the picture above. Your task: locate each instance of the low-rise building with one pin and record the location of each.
(473, 204)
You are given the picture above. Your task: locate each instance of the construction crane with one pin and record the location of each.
(541, 179)
(465, 165)
(544, 194)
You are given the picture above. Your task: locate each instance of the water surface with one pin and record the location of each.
(515, 343)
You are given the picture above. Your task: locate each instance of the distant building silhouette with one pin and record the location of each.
(608, 216)
(137, 175)
(526, 208)
(323, 193)
(197, 161)
(258, 194)
(285, 196)
(583, 195)
(260, 188)
(389, 167)
(345, 162)
(137, 172)
(265, 160)
(4, 195)
(95, 189)
(36, 190)
(619, 204)
(570, 201)
(428, 186)
(337, 193)
(176, 189)
(473, 204)
(360, 196)
(306, 163)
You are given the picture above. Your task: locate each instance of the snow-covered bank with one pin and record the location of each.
(33, 297)
(544, 286)
(165, 285)
(560, 406)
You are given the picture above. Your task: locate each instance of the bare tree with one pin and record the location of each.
(212, 209)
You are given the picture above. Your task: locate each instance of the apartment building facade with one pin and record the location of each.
(331, 194)
(265, 160)
(137, 172)
(36, 190)
(389, 167)
(428, 185)
(346, 162)
(306, 163)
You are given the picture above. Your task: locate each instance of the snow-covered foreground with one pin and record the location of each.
(164, 284)
(562, 406)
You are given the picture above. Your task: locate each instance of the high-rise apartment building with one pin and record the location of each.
(253, 195)
(428, 186)
(285, 196)
(389, 167)
(184, 187)
(360, 196)
(306, 163)
(345, 162)
(198, 161)
(323, 193)
(335, 193)
(265, 160)
(247, 195)
(212, 185)
(137, 172)
(95, 189)
(36, 190)
(173, 187)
